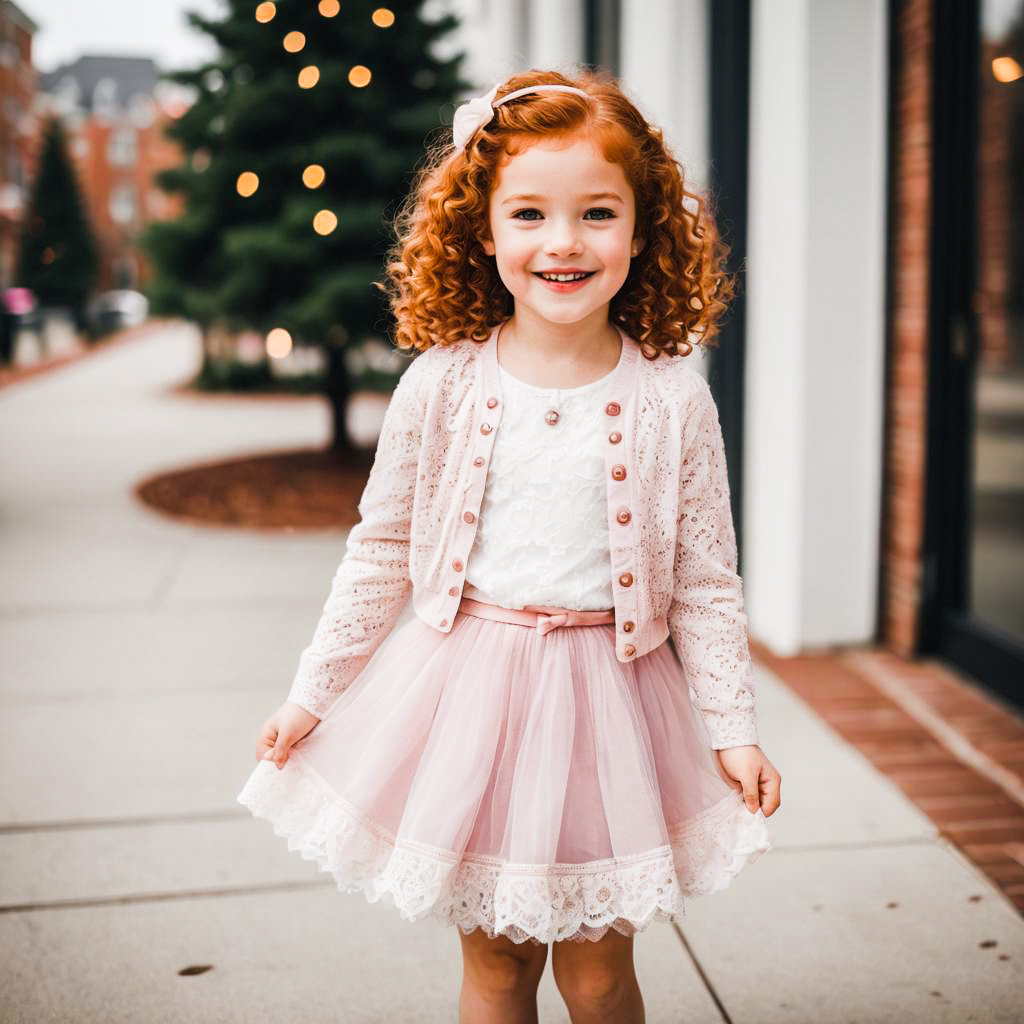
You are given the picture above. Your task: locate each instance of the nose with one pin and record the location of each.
(563, 237)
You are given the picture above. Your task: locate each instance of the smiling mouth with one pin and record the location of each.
(565, 278)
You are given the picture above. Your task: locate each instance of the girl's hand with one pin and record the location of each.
(281, 730)
(755, 776)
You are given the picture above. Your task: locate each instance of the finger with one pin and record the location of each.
(751, 797)
(771, 797)
(279, 754)
(265, 743)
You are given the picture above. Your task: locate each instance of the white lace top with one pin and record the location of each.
(542, 536)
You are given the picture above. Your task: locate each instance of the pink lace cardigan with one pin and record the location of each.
(672, 540)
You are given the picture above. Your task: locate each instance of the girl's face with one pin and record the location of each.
(561, 208)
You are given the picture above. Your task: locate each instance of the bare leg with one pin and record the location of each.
(597, 979)
(499, 979)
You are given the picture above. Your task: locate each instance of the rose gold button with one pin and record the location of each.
(629, 650)
(491, 403)
(613, 409)
(457, 565)
(624, 515)
(478, 461)
(628, 627)
(615, 437)
(468, 517)
(551, 417)
(618, 472)
(444, 622)
(626, 579)
(453, 591)
(485, 428)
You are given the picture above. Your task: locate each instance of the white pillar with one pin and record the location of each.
(507, 40)
(664, 71)
(555, 34)
(815, 321)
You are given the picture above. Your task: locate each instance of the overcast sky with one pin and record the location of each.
(69, 29)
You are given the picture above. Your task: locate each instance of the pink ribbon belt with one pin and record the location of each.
(544, 617)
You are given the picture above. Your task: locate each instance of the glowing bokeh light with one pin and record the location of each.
(247, 183)
(265, 12)
(278, 343)
(359, 76)
(309, 76)
(324, 222)
(294, 41)
(313, 176)
(383, 18)
(1006, 69)
(329, 8)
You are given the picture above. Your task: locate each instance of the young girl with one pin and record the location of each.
(561, 744)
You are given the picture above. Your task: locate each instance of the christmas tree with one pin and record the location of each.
(300, 145)
(57, 254)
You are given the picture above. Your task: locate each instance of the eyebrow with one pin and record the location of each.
(524, 198)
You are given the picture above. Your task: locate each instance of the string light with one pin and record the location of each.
(247, 183)
(294, 41)
(329, 8)
(309, 76)
(265, 12)
(313, 176)
(278, 343)
(1006, 69)
(383, 18)
(324, 222)
(359, 76)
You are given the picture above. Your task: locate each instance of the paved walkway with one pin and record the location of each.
(140, 656)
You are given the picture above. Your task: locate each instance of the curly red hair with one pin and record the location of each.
(443, 287)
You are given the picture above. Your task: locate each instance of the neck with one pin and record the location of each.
(560, 350)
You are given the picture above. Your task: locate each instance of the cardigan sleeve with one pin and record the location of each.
(706, 616)
(372, 583)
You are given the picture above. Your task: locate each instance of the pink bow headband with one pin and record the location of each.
(478, 111)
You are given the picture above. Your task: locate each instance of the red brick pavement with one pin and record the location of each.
(955, 751)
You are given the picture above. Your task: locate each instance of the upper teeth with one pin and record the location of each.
(564, 277)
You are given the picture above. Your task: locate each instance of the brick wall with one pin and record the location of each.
(906, 398)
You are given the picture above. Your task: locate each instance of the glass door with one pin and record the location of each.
(976, 390)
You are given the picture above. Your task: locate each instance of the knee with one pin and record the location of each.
(500, 972)
(598, 985)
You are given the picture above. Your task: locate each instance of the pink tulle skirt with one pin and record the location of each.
(529, 785)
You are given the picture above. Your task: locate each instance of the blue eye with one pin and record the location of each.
(608, 214)
(601, 209)
(518, 213)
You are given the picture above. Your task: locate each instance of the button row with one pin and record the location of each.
(623, 515)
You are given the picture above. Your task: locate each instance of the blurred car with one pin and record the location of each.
(18, 309)
(110, 311)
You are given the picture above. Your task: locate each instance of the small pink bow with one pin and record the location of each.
(470, 116)
(546, 623)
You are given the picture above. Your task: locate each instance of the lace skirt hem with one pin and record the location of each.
(540, 903)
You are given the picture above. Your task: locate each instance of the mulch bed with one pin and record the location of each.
(304, 489)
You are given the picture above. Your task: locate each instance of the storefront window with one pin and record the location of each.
(996, 480)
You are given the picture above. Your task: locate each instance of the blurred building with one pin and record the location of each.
(115, 112)
(866, 160)
(17, 128)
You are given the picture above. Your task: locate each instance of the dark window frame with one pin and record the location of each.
(947, 627)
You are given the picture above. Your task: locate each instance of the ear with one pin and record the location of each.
(638, 244)
(488, 245)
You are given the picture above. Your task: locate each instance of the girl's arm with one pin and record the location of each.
(706, 616)
(372, 582)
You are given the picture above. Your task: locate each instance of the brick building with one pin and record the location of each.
(115, 111)
(867, 160)
(17, 128)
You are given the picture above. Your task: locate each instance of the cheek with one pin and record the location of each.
(513, 251)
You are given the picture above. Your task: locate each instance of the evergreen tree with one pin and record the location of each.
(57, 253)
(285, 136)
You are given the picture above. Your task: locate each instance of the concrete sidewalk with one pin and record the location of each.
(140, 656)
